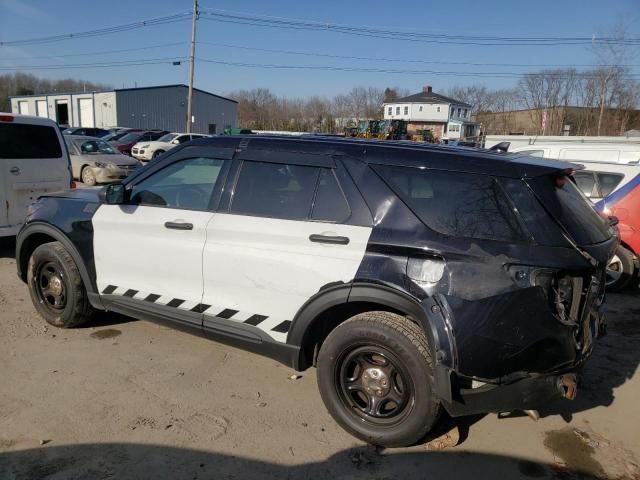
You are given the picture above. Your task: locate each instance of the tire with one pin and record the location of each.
(56, 288)
(620, 270)
(88, 177)
(157, 153)
(389, 356)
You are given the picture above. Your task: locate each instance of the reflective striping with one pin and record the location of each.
(276, 328)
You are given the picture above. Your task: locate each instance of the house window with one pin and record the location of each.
(438, 109)
(453, 112)
(465, 113)
(406, 110)
(397, 110)
(459, 111)
(420, 107)
(390, 110)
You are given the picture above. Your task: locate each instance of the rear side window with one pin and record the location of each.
(456, 204)
(275, 190)
(292, 192)
(608, 182)
(18, 140)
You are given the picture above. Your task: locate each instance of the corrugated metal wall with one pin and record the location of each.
(166, 108)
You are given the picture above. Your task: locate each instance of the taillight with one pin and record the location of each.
(6, 118)
(72, 184)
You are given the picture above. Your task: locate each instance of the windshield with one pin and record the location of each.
(168, 137)
(95, 146)
(130, 137)
(564, 200)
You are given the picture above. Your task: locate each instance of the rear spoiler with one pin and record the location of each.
(502, 147)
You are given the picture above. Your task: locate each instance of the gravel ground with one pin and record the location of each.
(122, 398)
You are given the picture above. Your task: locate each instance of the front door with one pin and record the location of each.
(150, 249)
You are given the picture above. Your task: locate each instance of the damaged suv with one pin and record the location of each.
(415, 278)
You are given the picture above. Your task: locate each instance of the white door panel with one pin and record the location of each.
(134, 250)
(269, 267)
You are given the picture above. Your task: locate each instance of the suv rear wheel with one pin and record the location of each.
(375, 378)
(56, 287)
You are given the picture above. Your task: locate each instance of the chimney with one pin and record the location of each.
(427, 89)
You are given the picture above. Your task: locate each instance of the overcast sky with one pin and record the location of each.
(220, 42)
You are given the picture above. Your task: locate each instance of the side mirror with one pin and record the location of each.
(113, 194)
(613, 221)
(175, 142)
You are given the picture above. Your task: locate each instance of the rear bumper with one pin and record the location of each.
(526, 394)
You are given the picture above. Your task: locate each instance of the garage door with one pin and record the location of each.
(85, 107)
(41, 108)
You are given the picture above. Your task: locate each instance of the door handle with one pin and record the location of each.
(178, 225)
(331, 239)
(15, 170)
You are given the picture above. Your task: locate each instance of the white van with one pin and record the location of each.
(33, 161)
(625, 153)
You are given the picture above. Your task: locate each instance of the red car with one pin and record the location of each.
(623, 204)
(125, 143)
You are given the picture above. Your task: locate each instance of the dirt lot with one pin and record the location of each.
(128, 399)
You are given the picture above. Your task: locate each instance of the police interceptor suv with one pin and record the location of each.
(415, 278)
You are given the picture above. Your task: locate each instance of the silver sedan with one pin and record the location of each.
(95, 161)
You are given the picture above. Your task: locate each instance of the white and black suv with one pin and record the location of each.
(414, 278)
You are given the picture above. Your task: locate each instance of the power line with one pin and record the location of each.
(121, 63)
(390, 71)
(437, 38)
(397, 60)
(102, 52)
(177, 17)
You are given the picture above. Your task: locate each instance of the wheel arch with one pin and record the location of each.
(332, 306)
(35, 234)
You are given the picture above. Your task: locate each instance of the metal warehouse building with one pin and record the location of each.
(162, 107)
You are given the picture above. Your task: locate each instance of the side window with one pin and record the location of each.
(456, 204)
(330, 204)
(275, 190)
(18, 140)
(183, 138)
(586, 183)
(186, 184)
(608, 182)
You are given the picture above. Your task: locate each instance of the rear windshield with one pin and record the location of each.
(18, 140)
(130, 138)
(564, 200)
(455, 203)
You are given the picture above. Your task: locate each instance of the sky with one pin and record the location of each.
(421, 63)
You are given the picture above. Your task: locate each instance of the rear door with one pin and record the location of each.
(33, 161)
(284, 234)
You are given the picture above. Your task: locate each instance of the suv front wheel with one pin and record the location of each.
(375, 378)
(56, 287)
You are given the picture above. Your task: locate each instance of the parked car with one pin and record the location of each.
(95, 161)
(147, 150)
(614, 190)
(33, 161)
(113, 137)
(89, 132)
(127, 141)
(415, 279)
(627, 153)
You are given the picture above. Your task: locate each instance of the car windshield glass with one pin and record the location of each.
(563, 199)
(130, 138)
(96, 146)
(167, 138)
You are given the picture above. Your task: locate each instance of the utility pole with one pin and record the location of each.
(191, 65)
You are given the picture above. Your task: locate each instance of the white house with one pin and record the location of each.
(447, 118)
